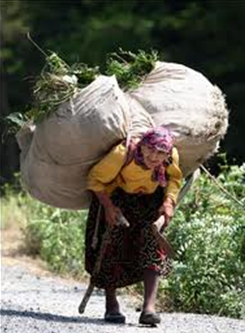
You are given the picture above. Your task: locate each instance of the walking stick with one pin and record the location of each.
(105, 241)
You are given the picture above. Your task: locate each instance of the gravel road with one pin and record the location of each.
(33, 303)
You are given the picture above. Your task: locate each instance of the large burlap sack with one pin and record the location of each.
(57, 154)
(189, 105)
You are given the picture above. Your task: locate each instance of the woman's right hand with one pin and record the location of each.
(111, 211)
(111, 214)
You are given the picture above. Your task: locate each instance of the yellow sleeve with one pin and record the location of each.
(175, 177)
(106, 170)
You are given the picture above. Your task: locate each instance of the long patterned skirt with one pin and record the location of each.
(129, 250)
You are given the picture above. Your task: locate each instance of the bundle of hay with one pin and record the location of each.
(58, 152)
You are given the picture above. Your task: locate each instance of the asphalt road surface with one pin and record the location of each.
(34, 303)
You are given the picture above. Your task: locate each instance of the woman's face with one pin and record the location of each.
(152, 157)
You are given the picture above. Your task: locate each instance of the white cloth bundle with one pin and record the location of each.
(57, 154)
(194, 110)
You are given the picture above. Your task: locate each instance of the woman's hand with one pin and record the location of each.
(111, 214)
(167, 209)
(111, 211)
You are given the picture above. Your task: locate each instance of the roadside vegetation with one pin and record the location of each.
(207, 233)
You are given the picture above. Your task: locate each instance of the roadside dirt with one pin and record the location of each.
(14, 253)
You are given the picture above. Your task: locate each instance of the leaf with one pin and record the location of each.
(16, 118)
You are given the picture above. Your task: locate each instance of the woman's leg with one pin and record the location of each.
(112, 313)
(112, 304)
(148, 315)
(151, 280)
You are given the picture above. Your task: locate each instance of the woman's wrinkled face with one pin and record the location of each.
(153, 157)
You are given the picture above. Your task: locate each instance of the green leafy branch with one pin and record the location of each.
(129, 68)
(58, 81)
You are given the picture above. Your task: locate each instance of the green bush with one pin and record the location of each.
(57, 235)
(208, 234)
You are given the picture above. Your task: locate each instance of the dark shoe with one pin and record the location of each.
(149, 318)
(115, 317)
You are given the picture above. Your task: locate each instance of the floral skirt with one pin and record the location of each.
(129, 251)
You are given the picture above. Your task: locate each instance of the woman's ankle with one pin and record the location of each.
(148, 308)
(112, 304)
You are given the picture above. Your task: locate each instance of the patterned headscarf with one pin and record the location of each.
(158, 138)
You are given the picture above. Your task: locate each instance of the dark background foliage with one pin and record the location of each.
(205, 35)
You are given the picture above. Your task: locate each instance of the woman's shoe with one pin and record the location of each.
(115, 317)
(149, 318)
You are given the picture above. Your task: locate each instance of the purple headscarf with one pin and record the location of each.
(158, 138)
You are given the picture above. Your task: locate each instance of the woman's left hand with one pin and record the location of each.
(167, 209)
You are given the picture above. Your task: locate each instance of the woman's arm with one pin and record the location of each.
(107, 169)
(173, 187)
(101, 175)
(175, 177)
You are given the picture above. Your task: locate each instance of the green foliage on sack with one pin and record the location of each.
(130, 68)
(58, 82)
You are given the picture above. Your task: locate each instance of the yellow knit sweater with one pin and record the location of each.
(111, 173)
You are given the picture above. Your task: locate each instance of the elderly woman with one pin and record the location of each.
(142, 182)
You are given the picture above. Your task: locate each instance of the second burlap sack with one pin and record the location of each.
(184, 101)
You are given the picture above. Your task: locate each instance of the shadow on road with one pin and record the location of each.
(51, 317)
